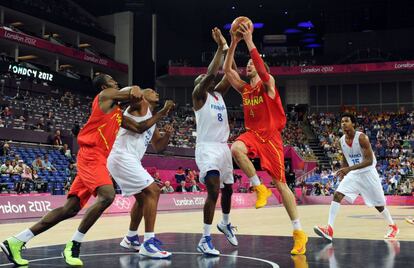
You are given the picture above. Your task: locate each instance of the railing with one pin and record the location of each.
(35, 144)
(305, 176)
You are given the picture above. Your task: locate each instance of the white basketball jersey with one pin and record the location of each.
(212, 121)
(353, 153)
(131, 142)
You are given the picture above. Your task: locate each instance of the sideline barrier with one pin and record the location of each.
(392, 200)
(299, 165)
(312, 70)
(28, 206)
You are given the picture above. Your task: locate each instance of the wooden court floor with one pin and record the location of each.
(356, 222)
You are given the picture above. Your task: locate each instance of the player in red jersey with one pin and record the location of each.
(95, 141)
(264, 120)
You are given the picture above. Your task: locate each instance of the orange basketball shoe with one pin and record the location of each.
(262, 194)
(300, 239)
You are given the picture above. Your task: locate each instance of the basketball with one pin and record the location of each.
(236, 24)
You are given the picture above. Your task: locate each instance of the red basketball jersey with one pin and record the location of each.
(262, 115)
(101, 129)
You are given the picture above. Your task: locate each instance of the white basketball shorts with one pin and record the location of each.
(367, 184)
(128, 172)
(215, 156)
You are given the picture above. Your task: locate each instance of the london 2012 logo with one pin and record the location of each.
(122, 203)
(239, 200)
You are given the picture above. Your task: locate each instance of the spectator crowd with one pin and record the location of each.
(392, 140)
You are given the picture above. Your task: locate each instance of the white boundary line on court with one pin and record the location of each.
(273, 265)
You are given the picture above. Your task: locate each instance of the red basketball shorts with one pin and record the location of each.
(92, 173)
(269, 151)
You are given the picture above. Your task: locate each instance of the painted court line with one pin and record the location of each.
(272, 264)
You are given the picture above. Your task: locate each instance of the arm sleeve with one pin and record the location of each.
(259, 65)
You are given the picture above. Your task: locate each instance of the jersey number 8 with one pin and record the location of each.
(220, 117)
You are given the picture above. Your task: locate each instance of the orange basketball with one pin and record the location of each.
(236, 24)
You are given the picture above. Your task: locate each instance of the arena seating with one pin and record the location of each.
(55, 179)
(392, 139)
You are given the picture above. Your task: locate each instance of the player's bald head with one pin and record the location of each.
(150, 95)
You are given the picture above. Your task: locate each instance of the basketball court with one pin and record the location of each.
(263, 240)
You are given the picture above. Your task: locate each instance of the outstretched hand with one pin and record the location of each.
(168, 129)
(218, 37)
(342, 172)
(136, 94)
(235, 37)
(245, 31)
(168, 106)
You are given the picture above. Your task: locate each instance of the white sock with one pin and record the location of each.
(132, 233)
(25, 236)
(254, 180)
(78, 237)
(148, 236)
(333, 211)
(207, 230)
(225, 219)
(296, 224)
(387, 216)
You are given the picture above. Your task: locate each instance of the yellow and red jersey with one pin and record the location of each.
(263, 115)
(101, 129)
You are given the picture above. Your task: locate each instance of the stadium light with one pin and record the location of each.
(256, 25)
(16, 24)
(84, 45)
(306, 24)
(313, 46)
(27, 57)
(292, 31)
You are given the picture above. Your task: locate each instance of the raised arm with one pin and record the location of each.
(160, 142)
(200, 89)
(258, 62)
(232, 75)
(125, 94)
(141, 127)
(224, 85)
(108, 96)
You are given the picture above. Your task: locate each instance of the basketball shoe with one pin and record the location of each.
(205, 246)
(12, 247)
(71, 253)
(324, 232)
(262, 193)
(152, 248)
(228, 231)
(300, 239)
(130, 242)
(410, 220)
(392, 232)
